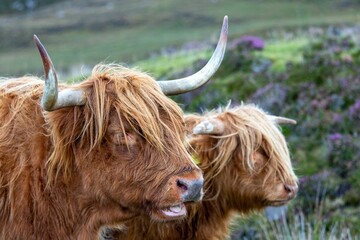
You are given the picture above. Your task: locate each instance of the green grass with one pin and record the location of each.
(299, 226)
(281, 52)
(128, 31)
(170, 64)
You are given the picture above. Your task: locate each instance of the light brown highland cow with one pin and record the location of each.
(246, 166)
(74, 158)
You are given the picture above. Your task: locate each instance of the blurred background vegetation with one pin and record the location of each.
(299, 59)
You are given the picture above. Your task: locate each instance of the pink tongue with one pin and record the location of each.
(175, 211)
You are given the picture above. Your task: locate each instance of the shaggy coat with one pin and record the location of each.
(246, 168)
(65, 174)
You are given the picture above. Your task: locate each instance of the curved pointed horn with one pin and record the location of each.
(183, 85)
(209, 127)
(52, 99)
(282, 120)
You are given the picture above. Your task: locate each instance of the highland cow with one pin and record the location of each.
(246, 166)
(93, 154)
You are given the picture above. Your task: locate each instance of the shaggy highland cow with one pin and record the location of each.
(94, 154)
(246, 166)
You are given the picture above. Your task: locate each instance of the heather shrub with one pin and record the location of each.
(322, 93)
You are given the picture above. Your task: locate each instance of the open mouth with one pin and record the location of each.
(170, 213)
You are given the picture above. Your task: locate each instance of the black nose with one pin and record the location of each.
(192, 189)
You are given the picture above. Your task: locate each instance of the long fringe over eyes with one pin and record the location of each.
(249, 126)
(134, 96)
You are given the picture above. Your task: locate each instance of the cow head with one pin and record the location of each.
(244, 156)
(121, 140)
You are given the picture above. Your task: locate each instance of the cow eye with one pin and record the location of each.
(126, 138)
(263, 153)
(120, 138)
(259, 158)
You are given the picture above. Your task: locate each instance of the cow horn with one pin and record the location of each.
(209, 127)
(183, 85)
(52, 99)
(282, 120)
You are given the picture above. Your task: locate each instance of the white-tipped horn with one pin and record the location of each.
(183, 85)
(282, 120)
(52, 99)
(209, 127)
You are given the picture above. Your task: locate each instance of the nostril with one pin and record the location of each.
(291, 189)
(182, 185)
(287, 188)
(190, 189)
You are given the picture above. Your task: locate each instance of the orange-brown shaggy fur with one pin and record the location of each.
(242, 170)
(66, 173)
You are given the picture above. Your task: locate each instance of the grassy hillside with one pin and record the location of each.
(91, 31)
(306, 73)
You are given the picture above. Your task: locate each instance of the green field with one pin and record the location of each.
(88, 32)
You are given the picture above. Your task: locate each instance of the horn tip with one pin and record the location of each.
(38, 43)
(225, 21)
(283, 120)
(290, 121)
(36, 39)
(224, 29)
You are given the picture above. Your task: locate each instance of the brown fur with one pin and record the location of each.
(244, 171)
(66, 173)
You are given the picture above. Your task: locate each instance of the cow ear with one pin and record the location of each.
(211, 126)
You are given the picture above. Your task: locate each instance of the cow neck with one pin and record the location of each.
(89, 214)
(213, 215)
